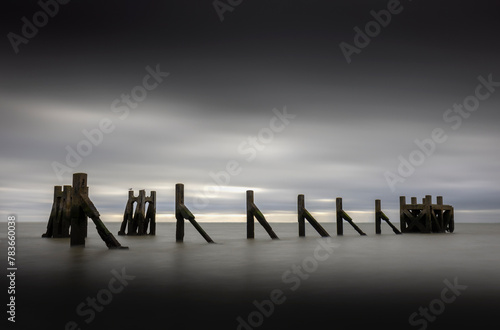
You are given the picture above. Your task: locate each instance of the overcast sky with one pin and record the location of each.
(268, 92)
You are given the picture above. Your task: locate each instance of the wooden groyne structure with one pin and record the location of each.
(138, 221)
(76, 208)
(72, 207)
(426, 217)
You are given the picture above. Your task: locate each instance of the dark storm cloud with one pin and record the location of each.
(352, 121)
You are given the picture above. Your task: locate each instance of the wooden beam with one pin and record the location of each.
(250, 217)
(79, 219)
(340, 224)
(300, 215)
(179, 201)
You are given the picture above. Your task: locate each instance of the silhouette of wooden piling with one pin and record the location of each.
(426, 217)
(60, 214)
(181, 213)
(254, 212)
(139, 221)
(83, 208)
(303, 214)
(342, 215)
(379, 216)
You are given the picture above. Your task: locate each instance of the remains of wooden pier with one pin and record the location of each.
(76, 202)
(254, 212)
(426, 217)
(303, 215)
(139, 220)
(181, 213)
(342, 215)
(72, 207)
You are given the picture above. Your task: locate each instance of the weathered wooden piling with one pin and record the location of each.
(60, 214)
(379, 216)
(79, 220)
(181, 213)
(426, 217)
(138, 221)
(83, 208)
(303, 214)
(254, 212)
(342, 215)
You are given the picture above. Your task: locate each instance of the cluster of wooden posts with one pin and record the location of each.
(72, 208)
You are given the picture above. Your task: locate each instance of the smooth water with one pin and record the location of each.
(342, 282)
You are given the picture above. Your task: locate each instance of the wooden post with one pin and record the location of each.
(378, 209)
(427, 209)
(179, 200)
(127, 214)
(402, 206)
(250, 218)
(66, 211)
(340, 224)
(139, 213)
(53, 212)
(300, 215)
(151, 215)
(79, 219)
(413, 200)
(440, 213)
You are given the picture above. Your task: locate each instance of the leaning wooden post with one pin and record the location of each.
(151, 214)
(53, 213)
(127, 215)
(179, 200)
(139, 216)
(250, 218)
(300, 214)
(66, 211)
(79, 220)
(340, 224)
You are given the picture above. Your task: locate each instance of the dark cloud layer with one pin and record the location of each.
(352, 121)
